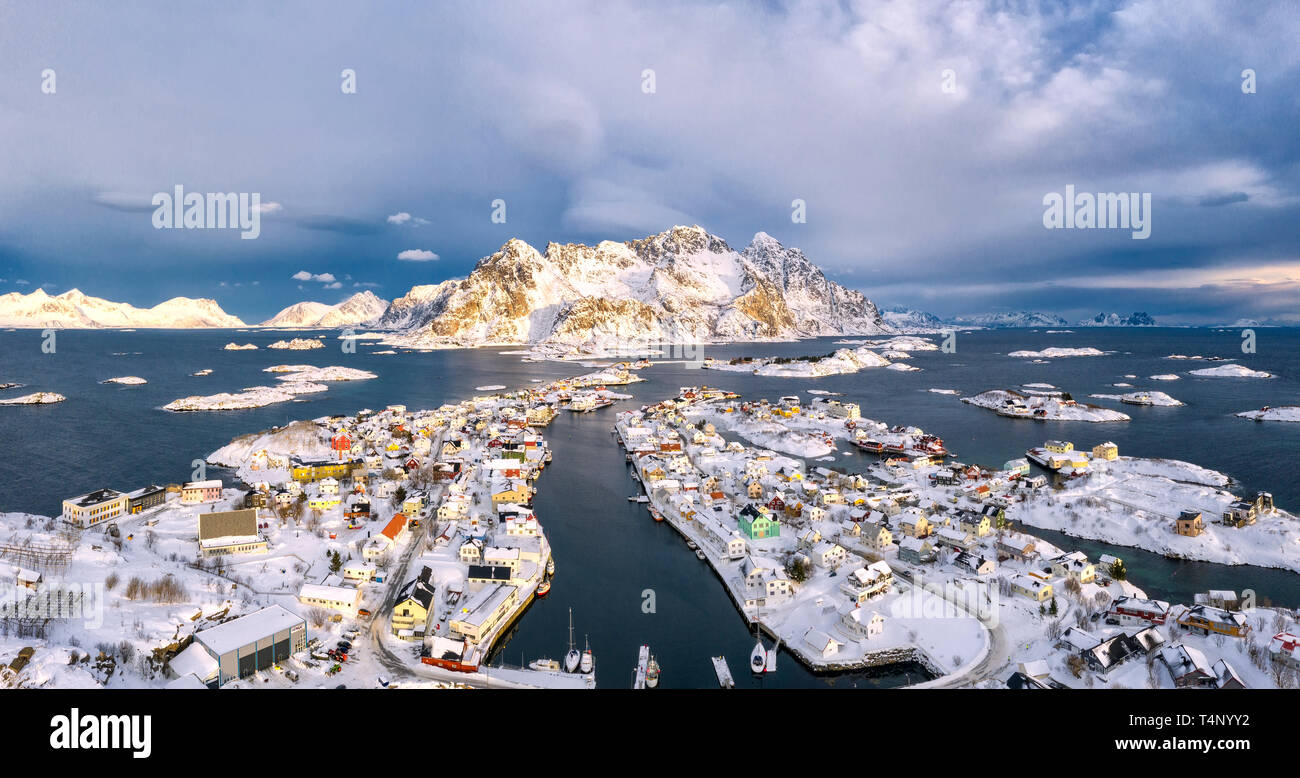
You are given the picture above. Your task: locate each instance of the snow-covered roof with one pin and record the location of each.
(246, 629)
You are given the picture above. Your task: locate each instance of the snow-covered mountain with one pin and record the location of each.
(1012, 319)
(75, 310)
(1115, 320)
(910, 320)
(683, 285)
(360, 308)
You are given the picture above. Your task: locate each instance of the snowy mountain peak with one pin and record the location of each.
(681, 285)
(361, 308)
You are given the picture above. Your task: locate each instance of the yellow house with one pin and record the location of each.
(513, 494)
(915, 524)
(1105, 451)
(411, 612)
(1078, 460)
(1033, 588)
(974, 523)
(1059, 446)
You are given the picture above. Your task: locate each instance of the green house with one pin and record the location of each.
(757, 523)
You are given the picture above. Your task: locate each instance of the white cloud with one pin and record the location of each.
(399, 218)
(335, 285)
(272, 207)
(324, 278)
(417, 255)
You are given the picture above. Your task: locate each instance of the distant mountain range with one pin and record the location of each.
(74, 310)
(909, 320)
(359, 309)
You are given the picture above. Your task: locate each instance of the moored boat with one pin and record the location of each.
(572, 659)
(543, 588)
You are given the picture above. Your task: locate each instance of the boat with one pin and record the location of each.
(758, 658)
(692, 545)
(700, 555)
(1139, 399)
(543, 588)
(655, 514)
(550, 565)
(652, 673)
(723, 672)
(641, 498)
(572, 659)
(629, 457)
(588, 662)
(545, 665)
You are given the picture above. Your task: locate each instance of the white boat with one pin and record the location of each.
(723, 672)
(758, 658)
(572, 659)
(550, 565)
(652, 673)
(588, 662)
(545, 665)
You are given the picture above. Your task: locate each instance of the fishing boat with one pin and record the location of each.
(641, 498)
(723, 672)
(572, 659)
(656, 514)
(550, 565)
(545, 665)
(652, 673)
(1141, 398)
(543, 588)
(588, 662)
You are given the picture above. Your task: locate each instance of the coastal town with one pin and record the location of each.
(396, 547)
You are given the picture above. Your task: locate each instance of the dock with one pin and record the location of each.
(723, 672)
(642, 665)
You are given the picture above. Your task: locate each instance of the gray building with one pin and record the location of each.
(254, 642)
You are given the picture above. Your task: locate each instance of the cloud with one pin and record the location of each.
(417, 255)
(366, 284)
(335, 285)
(269, 208)
(304, 275)
(121, 201)
(399, 218)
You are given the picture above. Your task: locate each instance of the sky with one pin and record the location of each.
(921, 138)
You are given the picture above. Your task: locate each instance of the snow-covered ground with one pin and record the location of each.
(232, 346)
(127, 380)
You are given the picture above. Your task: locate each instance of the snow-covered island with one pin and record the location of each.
(1269, 413)
(1140, 398)
(232, 346)
(1055, 406)
(1165, 377)
(1229, 371)
(295, 380)
(127, 380)
(1057, 352)
(297, 344)
(35, 398)
(839, 362)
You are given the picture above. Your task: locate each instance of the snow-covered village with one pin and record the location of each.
(363, 351)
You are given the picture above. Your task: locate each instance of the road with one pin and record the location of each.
(996, 656)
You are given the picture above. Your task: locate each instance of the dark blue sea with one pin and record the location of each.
(608, 551)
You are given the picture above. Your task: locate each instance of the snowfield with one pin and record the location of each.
(840, 362)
